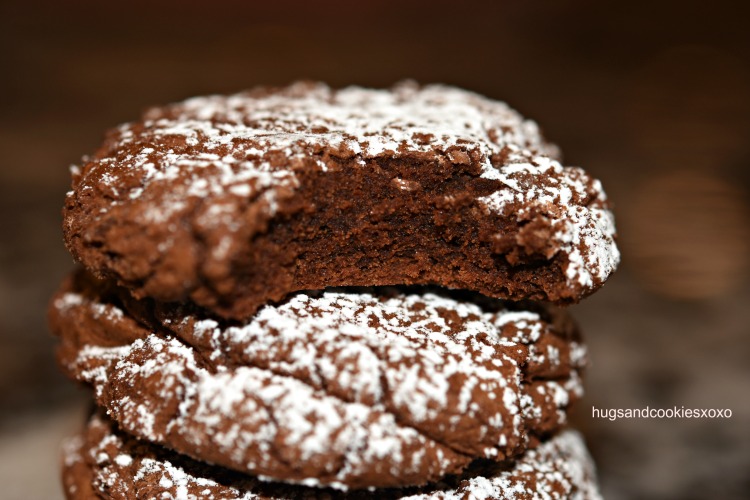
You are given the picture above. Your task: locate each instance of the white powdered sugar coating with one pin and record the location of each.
(230, 139)
(246, 412)
(584, 233)
(175, 478)
(370, 123)
(558, 469)
(399, 354)
(393, 380)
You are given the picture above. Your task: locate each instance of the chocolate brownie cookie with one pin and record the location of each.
(235, 201)
(378, 387)
(105, 463)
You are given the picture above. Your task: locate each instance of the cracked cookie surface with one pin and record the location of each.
(378, 387)
(235, 201)
(105, 463)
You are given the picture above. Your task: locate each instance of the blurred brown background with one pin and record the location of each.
(651, 97)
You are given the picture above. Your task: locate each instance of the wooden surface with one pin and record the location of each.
(651, 97)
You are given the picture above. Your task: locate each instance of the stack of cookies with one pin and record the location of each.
(307, 293)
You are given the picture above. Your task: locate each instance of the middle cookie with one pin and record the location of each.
(376, 387)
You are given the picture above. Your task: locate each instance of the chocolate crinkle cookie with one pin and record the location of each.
(232, 202)
(105, 463)
(302, 292)
(378, 387)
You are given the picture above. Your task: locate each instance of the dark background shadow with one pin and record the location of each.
(651, 97)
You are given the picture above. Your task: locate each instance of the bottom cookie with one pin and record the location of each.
(104, 463)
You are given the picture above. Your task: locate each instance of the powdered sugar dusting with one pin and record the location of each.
(226, 143)
(425, 358)
(574, 203)
(559, 469)
(245, 412)
(398, 353)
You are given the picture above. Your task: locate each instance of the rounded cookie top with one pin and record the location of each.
(105, 462)
(343, 389)
(232, 201)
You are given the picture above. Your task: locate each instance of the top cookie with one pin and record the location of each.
(235, 201)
